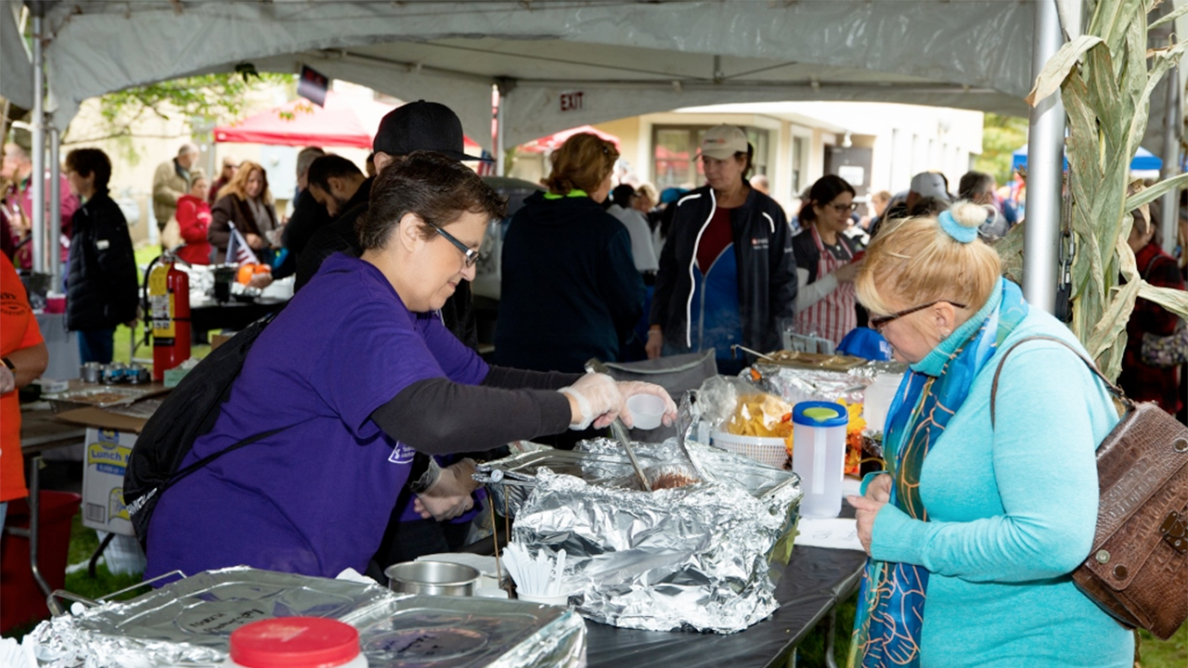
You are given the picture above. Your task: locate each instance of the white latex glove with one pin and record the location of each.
(7, 380)
(629, 388)
(594, 399)
(449, 497)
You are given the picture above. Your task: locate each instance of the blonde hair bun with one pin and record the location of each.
(968, 214)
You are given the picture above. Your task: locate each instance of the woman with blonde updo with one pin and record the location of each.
(986, 520)
(570, 290)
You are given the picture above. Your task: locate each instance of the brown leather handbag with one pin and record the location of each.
(1137, 570)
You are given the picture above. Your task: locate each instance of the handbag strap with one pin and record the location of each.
(1114, 389)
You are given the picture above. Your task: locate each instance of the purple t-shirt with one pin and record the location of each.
(316, 497)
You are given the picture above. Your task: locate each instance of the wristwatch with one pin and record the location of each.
(8, 363)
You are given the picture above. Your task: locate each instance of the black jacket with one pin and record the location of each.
(570, 290)
(101, 290)
(457, 314)
(308, 217)
(337, 237)
(766, 269)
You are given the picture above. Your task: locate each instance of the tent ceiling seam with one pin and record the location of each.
(668, 76)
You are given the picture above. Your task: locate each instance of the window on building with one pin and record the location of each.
(674, 154)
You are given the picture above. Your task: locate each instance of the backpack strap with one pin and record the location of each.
(1114, 390)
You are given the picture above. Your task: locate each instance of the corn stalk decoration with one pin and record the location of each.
(1106, 78)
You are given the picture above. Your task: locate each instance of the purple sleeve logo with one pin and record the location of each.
(402, 454)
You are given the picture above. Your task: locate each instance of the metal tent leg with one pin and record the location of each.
(1045, 160)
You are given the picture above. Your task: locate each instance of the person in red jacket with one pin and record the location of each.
(193, 219)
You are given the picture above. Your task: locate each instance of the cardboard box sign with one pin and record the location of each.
(103, 480)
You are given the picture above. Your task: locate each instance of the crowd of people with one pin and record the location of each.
(393, 401)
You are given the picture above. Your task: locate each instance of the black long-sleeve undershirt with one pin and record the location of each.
(438, 416)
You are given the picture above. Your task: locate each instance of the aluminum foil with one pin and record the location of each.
(796, 385)
(188, 623)
(700, 557)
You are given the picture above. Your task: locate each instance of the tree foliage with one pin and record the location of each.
(1001, 136)
(209, 98)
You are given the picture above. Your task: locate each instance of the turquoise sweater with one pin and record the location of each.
(1012, 512)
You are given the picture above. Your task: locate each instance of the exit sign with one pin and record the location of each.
(571, 101)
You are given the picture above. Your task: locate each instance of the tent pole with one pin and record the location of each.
(501, 97)
(37, 180)
(55, 208)
(1169, 203)
(1045, 160)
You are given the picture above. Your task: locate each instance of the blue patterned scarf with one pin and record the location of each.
(891, 598)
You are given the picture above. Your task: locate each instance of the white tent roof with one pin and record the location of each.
(626, 57)
(16, 69)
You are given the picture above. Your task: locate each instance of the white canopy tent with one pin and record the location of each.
(625, 57)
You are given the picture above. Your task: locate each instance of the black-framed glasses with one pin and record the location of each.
(878, 323)
(470, 254)
(844, 208)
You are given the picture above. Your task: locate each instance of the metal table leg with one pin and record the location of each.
(35, 524)
(94, 562)
(830, 624)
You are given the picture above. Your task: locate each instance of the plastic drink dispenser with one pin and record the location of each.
(818, 455)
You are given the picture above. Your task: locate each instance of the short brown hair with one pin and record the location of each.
(582, 163)
(917, 262)
(87, 161)
(435, 188)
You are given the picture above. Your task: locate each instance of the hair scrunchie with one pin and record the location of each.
(965, 235)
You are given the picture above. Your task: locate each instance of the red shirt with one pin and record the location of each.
(193, 220)
(714, 239)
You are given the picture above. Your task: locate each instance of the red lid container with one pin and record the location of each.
(294, 642)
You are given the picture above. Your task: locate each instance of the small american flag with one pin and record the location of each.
(238, 251)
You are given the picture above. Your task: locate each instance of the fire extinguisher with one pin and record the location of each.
(167, 293)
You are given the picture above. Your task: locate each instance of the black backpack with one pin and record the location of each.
(189, 412)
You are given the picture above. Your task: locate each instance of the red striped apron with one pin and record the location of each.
(834, 316)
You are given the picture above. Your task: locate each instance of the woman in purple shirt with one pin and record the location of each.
(363, 380)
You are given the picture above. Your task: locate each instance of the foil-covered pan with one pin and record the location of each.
(694, 554)
(189, 623)
(818, 384)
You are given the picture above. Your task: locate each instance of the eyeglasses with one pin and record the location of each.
(470, 254)
(881, 321)
(844, 208)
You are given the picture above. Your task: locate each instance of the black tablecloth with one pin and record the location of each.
(816, 580)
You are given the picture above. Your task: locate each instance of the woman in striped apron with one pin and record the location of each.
(825, 262)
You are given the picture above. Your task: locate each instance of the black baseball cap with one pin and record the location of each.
(421, 126)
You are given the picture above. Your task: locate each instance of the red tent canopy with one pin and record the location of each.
(344, 121)
(554, 141)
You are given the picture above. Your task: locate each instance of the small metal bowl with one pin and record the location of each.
(432, 578)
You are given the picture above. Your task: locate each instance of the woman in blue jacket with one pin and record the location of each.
(727, 274)
(975, 532)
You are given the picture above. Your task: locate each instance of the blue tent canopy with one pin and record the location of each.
(1143, 160)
